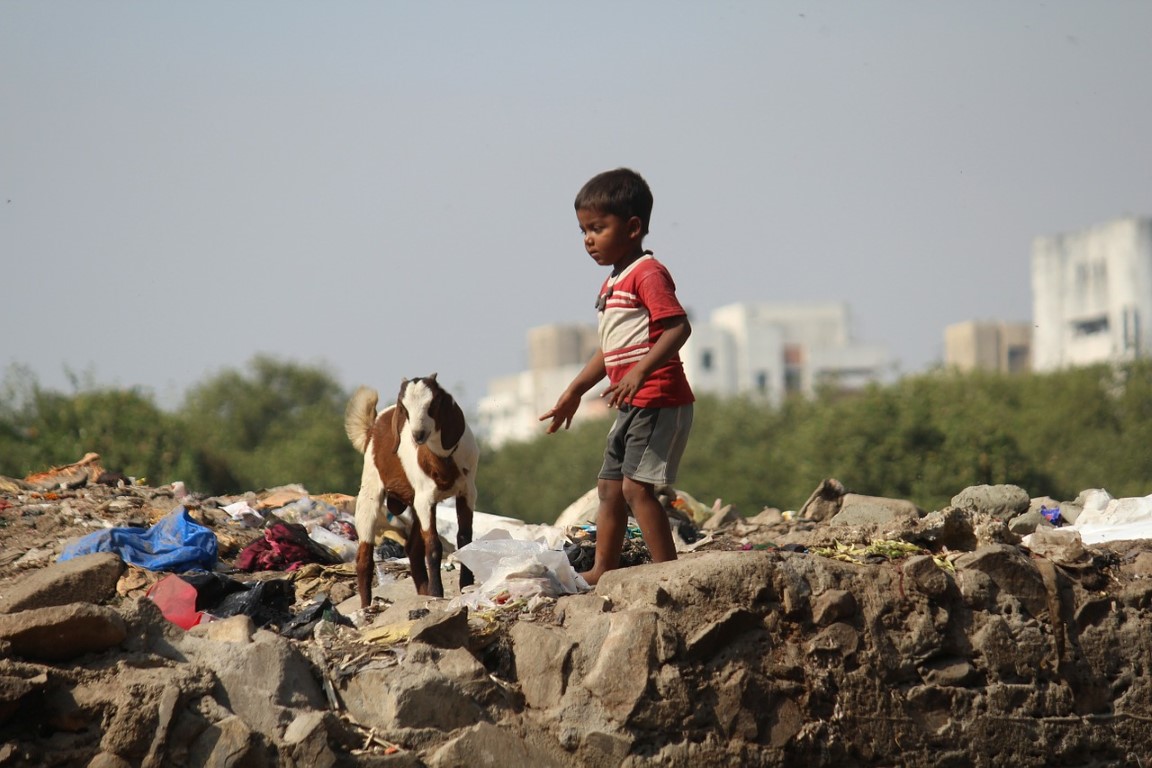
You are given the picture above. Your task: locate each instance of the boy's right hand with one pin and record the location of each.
(561, 413)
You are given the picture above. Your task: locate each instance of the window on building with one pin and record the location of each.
(1017, 359)
(1090, 326)
(762, 382)
(793, 379)
(706, 360)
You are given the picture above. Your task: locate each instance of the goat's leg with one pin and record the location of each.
(416, 563)
(364, 572)
(368, 503)
(434, 553)
(464, 536)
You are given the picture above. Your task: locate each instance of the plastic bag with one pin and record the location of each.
(177, 543)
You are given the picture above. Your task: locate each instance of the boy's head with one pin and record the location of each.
(621, 192)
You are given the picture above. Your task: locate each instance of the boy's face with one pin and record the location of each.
(608, 238)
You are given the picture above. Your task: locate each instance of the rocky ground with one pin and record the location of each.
(854, 631)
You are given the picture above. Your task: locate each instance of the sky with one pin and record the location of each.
(385, 189)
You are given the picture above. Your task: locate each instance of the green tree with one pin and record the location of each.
(277, 423)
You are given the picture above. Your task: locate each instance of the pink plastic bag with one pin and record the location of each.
(177, 601)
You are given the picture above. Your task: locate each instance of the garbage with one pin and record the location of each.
(176, 599)
(285, 547)
(302, 625)
(343, 547)
(1107, 519)
(176, 543)
(506, 568)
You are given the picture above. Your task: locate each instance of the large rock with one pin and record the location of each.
(63, 632)
(85, 579)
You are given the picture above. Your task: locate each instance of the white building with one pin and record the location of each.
(512, 407)
(1092, 295)
(771, 350)
(762, 350)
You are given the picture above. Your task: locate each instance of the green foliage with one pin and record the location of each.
(280, 423)
(537, 480)
(924, 438)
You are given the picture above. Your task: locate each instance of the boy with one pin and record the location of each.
(642, 327)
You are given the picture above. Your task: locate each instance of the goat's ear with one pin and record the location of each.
(399, 416)
(450, 419)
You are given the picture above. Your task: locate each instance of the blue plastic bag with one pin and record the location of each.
(177, 543)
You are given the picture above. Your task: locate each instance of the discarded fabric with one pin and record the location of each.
(285, 547)
(177, 543)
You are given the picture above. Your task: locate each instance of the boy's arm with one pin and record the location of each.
(568, 402)
(676, 332)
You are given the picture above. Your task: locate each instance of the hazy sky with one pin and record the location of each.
(385, 188)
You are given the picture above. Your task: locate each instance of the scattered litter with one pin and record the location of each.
(285, 547)
(1107, 519)
(512, 569)
(177, 543)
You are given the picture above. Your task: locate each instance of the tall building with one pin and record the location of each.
(988, 346)
(1092, 295)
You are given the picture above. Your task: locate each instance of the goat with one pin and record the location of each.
(417, 453)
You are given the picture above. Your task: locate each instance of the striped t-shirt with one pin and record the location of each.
(632, 303)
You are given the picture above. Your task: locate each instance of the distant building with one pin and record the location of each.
(761, 350)
(988, 346)
(1092, 295)
(512, 407)
(771, 350)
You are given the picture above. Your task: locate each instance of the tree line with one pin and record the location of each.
(922, 438)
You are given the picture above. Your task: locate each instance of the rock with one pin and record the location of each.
(833, 605)
(63, 632)
(443, 629)
(485, 745)
(721, 518)
(824, 502)
(542, 657)
(726, 656)
(999, 501)
(856, 509)
(229, 742)
(85, 579)
(265, 680)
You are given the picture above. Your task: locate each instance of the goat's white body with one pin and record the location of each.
(371, 514)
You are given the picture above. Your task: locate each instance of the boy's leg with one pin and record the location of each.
(653, 520)
(611, 525)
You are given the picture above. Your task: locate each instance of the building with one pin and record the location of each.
(988, 346)
(1092, 295)
(512, 407)
(761, 350)
(772, 350)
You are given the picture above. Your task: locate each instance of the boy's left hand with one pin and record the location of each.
(622, 392)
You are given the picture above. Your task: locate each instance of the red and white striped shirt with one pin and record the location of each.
(632, 303)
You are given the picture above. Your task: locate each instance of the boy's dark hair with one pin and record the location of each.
(621, 192)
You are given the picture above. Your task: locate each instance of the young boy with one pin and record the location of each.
(642, 327)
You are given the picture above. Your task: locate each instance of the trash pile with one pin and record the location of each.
(152, 626)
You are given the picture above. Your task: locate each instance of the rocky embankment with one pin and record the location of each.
(857, 631)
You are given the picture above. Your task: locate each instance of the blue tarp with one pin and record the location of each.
(177, 543)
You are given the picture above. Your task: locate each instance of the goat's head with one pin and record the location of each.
(429, 409)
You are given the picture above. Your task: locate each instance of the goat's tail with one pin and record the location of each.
(360, 417)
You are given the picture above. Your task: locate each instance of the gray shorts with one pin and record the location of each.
(646, 444)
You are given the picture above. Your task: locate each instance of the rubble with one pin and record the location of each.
(854, 631)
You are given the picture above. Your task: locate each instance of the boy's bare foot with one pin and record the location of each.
(591, 577)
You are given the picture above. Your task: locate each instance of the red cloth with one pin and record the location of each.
(285, 547)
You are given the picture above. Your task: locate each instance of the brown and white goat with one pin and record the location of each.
(417, 453)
